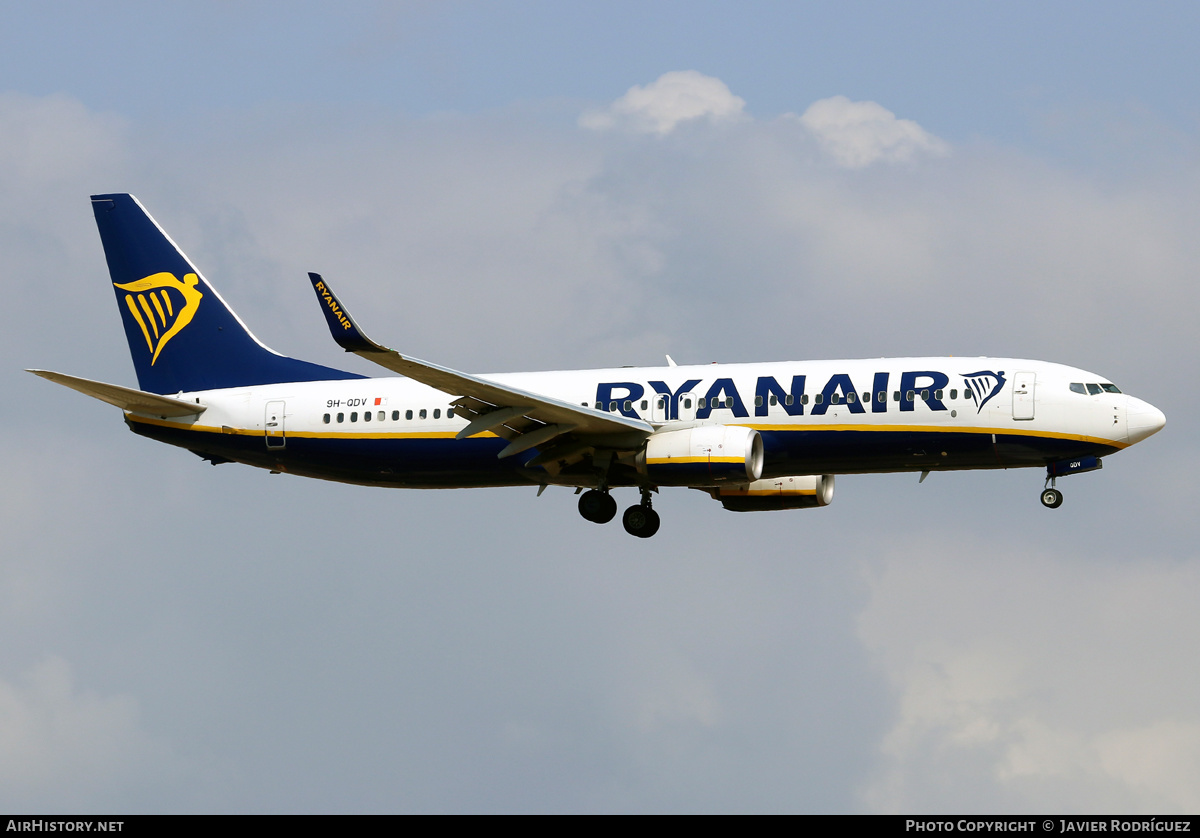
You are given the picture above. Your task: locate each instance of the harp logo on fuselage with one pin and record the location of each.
(985, 384)
(162, 306)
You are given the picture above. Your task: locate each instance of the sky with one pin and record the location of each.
(512, 186)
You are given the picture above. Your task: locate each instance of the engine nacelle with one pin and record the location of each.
(778, 493)
(706, 455)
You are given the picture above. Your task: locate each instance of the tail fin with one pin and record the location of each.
(182, 335)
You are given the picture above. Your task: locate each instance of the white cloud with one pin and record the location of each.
(52, 139)
(1161, 759)
(663, 104)
(857, 134)
(1022, 683)
(61, 746)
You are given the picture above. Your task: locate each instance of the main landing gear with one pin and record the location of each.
(641, 520)
(1051, 497)
(599, 507)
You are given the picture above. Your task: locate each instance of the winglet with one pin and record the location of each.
(559, 416)
(341, 325)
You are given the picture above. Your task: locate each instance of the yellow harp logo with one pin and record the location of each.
(161, 317)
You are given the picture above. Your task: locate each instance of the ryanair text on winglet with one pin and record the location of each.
(332, 302)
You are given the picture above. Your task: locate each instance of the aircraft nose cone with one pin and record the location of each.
(1144, 419)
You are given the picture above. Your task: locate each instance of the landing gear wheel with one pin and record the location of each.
(597, 507)
(641, 521)
(1052, 498)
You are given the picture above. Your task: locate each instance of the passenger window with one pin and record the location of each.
(896, 395)
(803, 399)
(325, 419)
(937, 394)
(341, 418)
(818, 398)
(969, 395)
(599, 405)
(834, 398)
(775, 401)
(628, 405)
(408, 414)
(909, 395)
(437, 413)
(881, 396)
(700, 403)
(612, 406)
(866, 397)
(449, 413)
(687, 403)
(366, 416)
(953, 395)
(1093, 389)
(645, 404)
(395, 416)
(851, 398)
(354, 416)
(758, 401)
(423, 413)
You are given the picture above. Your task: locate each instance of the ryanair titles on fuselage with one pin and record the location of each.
(926, 386)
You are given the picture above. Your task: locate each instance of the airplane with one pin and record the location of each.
(755, 437)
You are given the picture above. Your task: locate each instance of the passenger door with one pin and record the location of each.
(273, 425)
(1024, 384)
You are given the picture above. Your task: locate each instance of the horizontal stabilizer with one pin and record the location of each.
(126, 398)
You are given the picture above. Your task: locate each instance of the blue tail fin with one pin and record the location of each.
(181, 334)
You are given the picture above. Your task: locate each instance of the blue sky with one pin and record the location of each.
(513, 186)
(962, 70)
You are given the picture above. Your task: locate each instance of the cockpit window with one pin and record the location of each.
(1093, 389)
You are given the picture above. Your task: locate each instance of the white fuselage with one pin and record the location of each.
(867, 415)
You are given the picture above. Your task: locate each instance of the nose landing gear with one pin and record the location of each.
(1051, 497)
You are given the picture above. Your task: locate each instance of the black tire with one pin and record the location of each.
(597, 507)
(641, 521)
(1052, 498)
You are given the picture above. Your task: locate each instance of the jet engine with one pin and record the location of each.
(705, 455)
(799, 492)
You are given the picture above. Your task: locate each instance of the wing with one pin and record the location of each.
(527, 420)
(126, 398)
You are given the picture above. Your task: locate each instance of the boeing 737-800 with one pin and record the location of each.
(753, 436)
